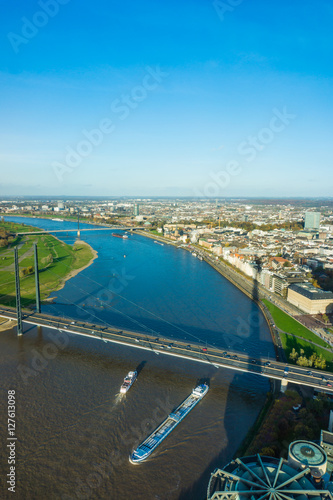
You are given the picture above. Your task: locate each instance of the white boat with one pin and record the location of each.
(128, 381)
(194, 254)
(143, 451)
(58, 220)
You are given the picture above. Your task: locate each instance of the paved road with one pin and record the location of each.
(192, 351)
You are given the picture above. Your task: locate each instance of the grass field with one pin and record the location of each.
(301, 338)
(55, 261)
(290, 325)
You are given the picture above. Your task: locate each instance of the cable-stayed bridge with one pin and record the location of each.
(193, 351)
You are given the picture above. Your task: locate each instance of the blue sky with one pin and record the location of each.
(188, 98)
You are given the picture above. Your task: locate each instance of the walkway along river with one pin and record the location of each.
(75, 433)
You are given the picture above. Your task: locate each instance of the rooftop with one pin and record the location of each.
(311, 292)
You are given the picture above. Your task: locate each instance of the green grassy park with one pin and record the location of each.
(56, 261)
(299, 336)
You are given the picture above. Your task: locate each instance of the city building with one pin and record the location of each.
(312, 220)
(310, 299)
(306, 454)
(326, 442)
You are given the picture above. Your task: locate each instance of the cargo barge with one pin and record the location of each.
(117, 235)
(144, 450)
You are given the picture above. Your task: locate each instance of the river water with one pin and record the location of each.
(75, 432)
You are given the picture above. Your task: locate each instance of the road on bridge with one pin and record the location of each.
(209, 354)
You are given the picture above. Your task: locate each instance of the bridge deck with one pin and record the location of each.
(215, 356)
(51, 231)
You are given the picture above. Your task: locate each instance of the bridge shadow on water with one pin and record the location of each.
(243, 334)
(252, 337)
(233, 428)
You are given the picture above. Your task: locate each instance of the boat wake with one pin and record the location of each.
(119, 398)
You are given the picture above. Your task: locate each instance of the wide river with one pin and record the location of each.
(74, 432)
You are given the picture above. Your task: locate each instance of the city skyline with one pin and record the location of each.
(195, 100)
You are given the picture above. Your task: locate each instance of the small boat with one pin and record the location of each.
(200, 257)
(143, 451)
(128, 381)
(58, 220)
(194, 254)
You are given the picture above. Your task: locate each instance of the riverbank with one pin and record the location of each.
(249, 289)
(57, 263)
(74, 272)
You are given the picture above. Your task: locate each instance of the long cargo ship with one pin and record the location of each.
(117, 235)
(143, 451)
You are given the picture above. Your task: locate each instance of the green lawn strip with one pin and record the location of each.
(289, 342)
(290, 325)
(15, 227)
(55, 261)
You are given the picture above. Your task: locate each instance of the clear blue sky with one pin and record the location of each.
(221, 79)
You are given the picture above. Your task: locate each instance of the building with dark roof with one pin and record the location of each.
(310, 299)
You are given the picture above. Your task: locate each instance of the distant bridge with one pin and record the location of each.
(320, 380)
(49, 231)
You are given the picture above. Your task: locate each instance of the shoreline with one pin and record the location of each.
(74, 272)
(231, 279)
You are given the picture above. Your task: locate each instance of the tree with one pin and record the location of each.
(325, 318)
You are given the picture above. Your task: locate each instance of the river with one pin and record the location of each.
(74, 431)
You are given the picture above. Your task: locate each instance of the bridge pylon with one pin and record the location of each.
(18, 293)
(38, 306)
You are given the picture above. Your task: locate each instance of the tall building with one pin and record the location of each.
(136, 209)
(312, 220)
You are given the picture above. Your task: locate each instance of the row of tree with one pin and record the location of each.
(313, 360)
(26, 271)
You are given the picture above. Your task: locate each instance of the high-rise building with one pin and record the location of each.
(312, 220)
(136, 209)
